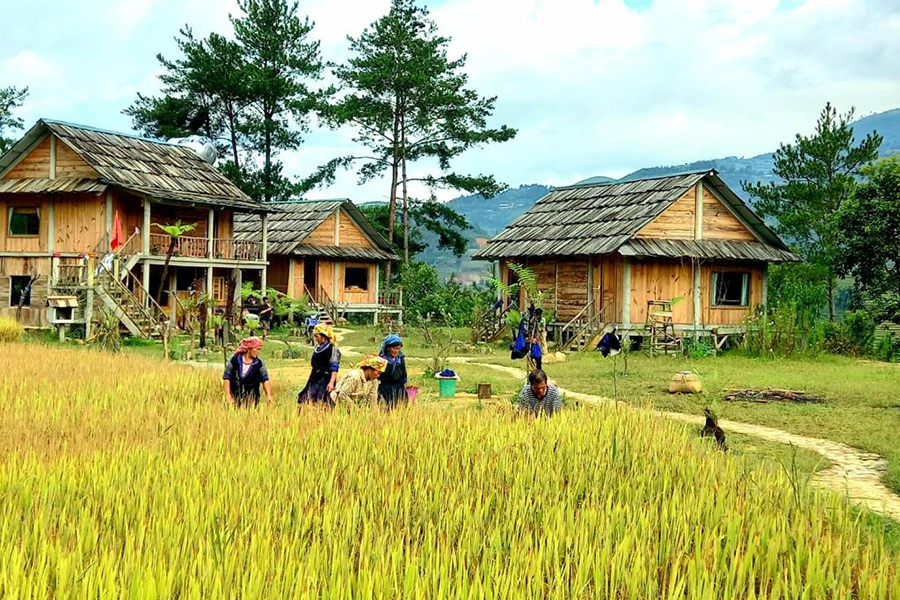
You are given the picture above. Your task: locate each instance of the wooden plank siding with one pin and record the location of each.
(323, 235)
(70, 165)
(608, 272)
(131, 211)
(345, 295)
(719, 223)
(277, 273)
(35, 164)
(350, 235)
(80, 222)
(676, 222)
(712, 316)
(25, 243)
(34, 315)
(662, 279)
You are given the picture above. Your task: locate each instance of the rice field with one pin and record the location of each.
(124, 477)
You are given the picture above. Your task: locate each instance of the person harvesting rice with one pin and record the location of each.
(326, 362)
(245, 373)
(360, 385)
(392, 388)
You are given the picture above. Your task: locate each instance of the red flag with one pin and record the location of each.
(117, 238)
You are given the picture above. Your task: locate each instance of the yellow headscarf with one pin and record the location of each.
(325, 329)
(373, 361)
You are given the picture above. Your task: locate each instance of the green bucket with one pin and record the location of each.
(447, 387)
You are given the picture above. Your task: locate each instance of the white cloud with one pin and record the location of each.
(27, 66)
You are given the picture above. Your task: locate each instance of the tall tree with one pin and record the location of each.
(281, 62)
(407, 101)
(445, 223)
(11, 98)
(818, 175)
(869, 225)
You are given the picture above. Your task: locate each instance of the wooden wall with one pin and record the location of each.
(668, 279)
(36, 164)
(166, 214)
(225, 223)
(719, 223)
(607, 285)
(729, 315)
(24, 243)
(69, 164)
(564, 283)
(277, 273)
(79, 222)
(323, 235)
(662, 279)
(131, 212)
(351, 235)
(344, 295)
(34, 315)
(677, 221)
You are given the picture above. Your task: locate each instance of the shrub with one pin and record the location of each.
(701, 348)
(10, 330)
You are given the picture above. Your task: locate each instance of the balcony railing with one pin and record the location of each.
(198, 247)
(390, 297)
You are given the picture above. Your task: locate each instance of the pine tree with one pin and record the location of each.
(11, 98)
(818, 175)
(407, 101)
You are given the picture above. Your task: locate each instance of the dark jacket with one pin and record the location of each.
(245, 389)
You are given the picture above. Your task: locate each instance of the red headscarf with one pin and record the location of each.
(248, 344)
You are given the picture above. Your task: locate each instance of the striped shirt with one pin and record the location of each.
(550, 404)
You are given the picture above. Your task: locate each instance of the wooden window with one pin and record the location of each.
(731, 288)
(356, 277)
(24, 221)
(19, 290)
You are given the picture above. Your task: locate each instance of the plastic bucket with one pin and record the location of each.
(447, 387)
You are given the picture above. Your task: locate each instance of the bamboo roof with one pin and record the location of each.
(145, 167)
(584, 220)
(292, 223)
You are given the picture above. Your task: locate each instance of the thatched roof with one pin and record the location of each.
(293, 221)
(585, 220)
(144, 167)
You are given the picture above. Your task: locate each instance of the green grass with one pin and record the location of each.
(861, 405)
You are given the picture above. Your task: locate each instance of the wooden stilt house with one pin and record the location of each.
(63, 187)
(677, 254)
(327, 251)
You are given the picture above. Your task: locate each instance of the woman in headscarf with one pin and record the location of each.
(360, 385)
(244, 374)
(392, 388)
(326, 361)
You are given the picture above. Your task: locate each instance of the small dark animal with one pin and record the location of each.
(712, 428)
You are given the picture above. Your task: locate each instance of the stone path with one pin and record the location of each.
(854, 474)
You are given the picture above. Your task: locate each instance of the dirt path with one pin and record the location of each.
(854, 474)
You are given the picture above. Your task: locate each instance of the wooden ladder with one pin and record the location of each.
(661, 327)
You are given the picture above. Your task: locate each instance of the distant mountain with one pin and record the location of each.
(488, 217)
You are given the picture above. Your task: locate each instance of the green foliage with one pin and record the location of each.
(438, 218)
(888, 349)
(780, 330)
(11, 98)
(869, 225)
(425, 297)
(10, 330)
(701, 348)
(818, 175)
(177, 229)
(408, 102)
(247, 92)
(107, 336)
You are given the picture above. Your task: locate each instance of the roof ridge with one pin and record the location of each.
(133, 136)
(312, 200)
(620, 182)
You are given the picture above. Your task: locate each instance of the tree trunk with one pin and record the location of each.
(165, 274)
(392, 204)
(233, 135)
(267, 178)
(201, 316)
(831, 302)
(405, 196)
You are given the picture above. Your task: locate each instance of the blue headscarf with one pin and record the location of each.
(391, 340)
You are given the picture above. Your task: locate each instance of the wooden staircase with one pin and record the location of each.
(116, 292)
(585, 330)
(491, 326)
(323, 306)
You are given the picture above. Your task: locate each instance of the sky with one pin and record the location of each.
(594, 87)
